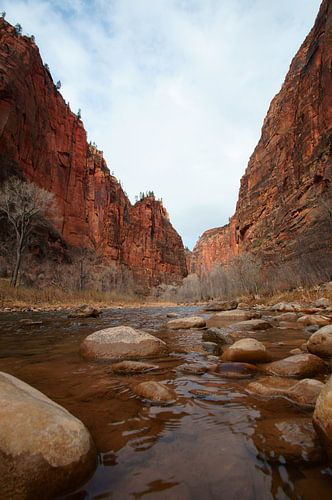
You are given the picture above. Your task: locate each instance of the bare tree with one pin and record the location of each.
(24, 204)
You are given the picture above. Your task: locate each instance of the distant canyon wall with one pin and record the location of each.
(41, 138)
(284, 209)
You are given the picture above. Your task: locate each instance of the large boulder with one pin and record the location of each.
(247, 351)
(186, 323)
(252, 324)
(323, 416)
(155, 392)
(225, 305)
(297, 366)
(44, 450)
(304, 392)
(293, 440)
(121, 342)
(320, 342)
(84, 311)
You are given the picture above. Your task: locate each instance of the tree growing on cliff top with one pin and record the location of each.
(18, 29)
(24, 205)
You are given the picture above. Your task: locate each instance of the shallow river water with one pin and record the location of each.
(200, 447)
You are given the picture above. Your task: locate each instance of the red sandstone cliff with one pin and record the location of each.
(284, 207)
(41, 137)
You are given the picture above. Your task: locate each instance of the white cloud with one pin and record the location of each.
(173, 91)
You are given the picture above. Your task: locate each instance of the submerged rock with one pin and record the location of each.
(121, 342)
(303, 393)
(298, 366)
(292, 440)
(192, 368)
(212, 348)
(131, 367)
(30, 322)
(155, 391)
(235, 370)
(248, 351)
(184, 323)
(43, 447)
(85, 311)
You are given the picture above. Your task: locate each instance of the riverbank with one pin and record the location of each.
(56, 299)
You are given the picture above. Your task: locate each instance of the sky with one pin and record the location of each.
(174, 92)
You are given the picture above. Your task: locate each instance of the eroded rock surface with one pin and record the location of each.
(43, 448)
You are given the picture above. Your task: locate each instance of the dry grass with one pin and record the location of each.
(56, 298)
(301, 294)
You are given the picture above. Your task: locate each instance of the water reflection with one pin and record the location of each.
(202, 446)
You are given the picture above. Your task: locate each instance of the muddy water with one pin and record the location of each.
(197, 448)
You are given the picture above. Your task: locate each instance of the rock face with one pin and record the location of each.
(43, 448)
(285, 197)
(41, 139)
(120, 342)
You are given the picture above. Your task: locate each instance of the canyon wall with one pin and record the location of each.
(41, 139)
(284, 209)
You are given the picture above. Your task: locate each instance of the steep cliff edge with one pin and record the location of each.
(41, 138)
(284, 209)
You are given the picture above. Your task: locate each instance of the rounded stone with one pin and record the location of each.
(132, 367)
(323, 416)
(121, 342)
(246, 350)
(44, 450)
(235, 370)
(298, 366)
(155, 392)
(320, 343)
(185, 323)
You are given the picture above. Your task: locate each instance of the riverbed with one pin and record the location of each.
(201, 446)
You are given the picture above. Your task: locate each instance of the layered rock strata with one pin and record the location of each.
(285, 201)
(42, 140)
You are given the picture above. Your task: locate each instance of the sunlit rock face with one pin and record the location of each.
(285, 202)
(42, 139)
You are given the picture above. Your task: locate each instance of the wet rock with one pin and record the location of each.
(121, 342)
(286, 307)
(43, 447)
(212, 348)
(235, 370)
(184, 323)
(85, 311)
(252, 324)
(303, 393)
(155, 391)
(247, 351)
(132, 367)
(192, 368)
(322, 418)
(320, 343)
(292, 440)
(204, 394)
(221, 336)
(322, 302)
(287, 316)
(298, 366)
(30, 322)
(314, 319)
(224, 305)
(172, 315)
(312, 328)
